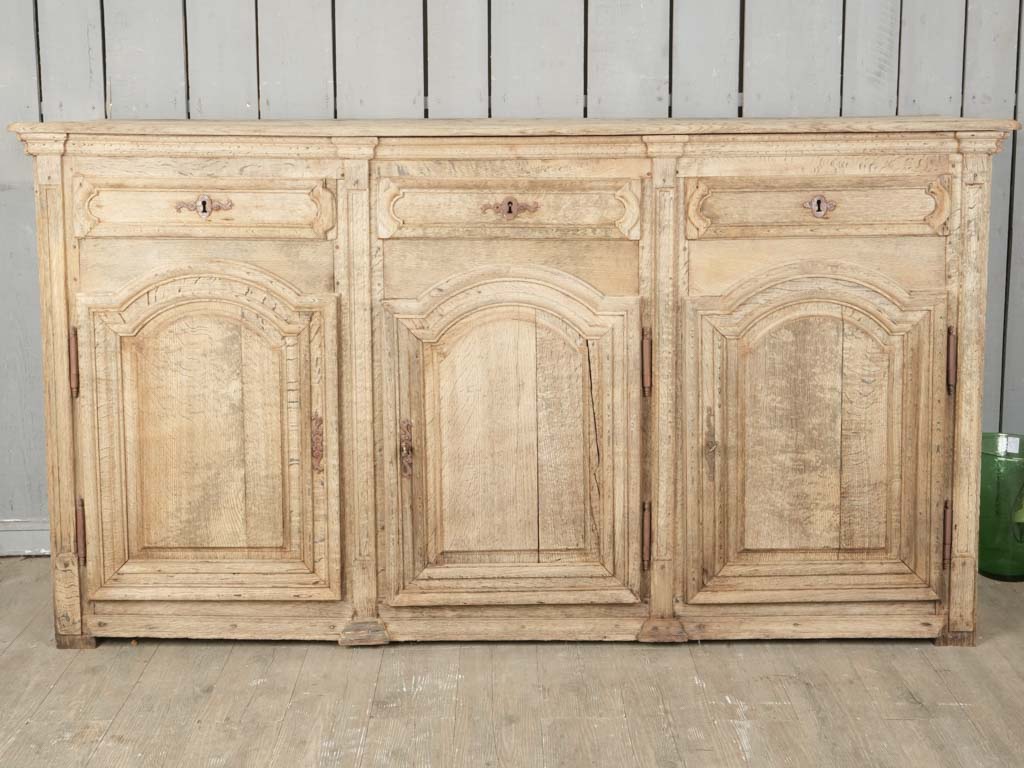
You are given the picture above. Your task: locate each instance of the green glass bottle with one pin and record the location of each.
(1001, 549)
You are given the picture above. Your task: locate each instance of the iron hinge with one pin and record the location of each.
(646, 349)
(947, 534)
(951, 359)
(646, 535)
(73, 360)
(80, 530)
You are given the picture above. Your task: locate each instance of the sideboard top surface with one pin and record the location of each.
(504, 128)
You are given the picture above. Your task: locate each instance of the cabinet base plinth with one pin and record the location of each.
(366, 632)
(74, 642)
(956, 639)
(662, 631)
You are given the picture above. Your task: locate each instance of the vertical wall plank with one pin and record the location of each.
(705, 58)
(536, 58)
(457, 58)
(296, 59)
(71, 60)
(222, 82)
(627, 58)
(380, 58)
(871, 56)
(145, 59)
(23, 513)
(990, 59)
(792, 58)
(1013, 371)
(931, 57)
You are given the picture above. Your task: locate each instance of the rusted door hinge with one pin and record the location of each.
(951, 359)
(645, 554)
(73, 360)
(80, 530)
(646, 348)
(947, 534)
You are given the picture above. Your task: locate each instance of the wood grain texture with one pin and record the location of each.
(627, 59)
(457, 46)
(295, 59)
(788, 703)
(776, 83)
(536, 69)
(145, 59)
(383, 42)
(507, 127)
(871, 55)
(372, 307)
(705, 58)
(222, 65)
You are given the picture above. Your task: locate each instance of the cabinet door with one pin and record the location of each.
(209, 443)
(514, 435)
(816, 430)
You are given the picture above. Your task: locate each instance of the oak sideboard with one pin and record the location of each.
(476, 380)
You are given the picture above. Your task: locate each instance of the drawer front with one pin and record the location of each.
(204, 207)
(417, 207)
(751, 207)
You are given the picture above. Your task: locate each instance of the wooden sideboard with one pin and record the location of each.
(478, 380)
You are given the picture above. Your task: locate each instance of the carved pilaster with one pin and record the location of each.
(977, 149)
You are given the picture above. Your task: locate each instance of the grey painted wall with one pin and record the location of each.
(251, 59)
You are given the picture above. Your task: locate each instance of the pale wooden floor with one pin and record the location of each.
(190, 703)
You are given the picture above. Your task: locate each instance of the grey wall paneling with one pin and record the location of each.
(792, 58)
(380, 58)
(281, 59)
(990, 65)
(145, 59)
(536, 58)
(627, 58)
(457, 48)
(931, 57)
(71, 59)
(871, 57)
(705, 58)
(23, 517)
(1013, 370)
(222, 59)
(296, 59)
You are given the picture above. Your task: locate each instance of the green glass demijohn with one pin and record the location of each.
(1001, 549)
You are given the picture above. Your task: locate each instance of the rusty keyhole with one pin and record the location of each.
(509, 209)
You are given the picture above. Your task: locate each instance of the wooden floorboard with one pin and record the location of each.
(197, 703)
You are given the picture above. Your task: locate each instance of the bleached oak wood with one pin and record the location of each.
(384, 381)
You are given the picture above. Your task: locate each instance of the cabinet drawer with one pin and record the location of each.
(204, 207)
(751, 207)
(578, 208)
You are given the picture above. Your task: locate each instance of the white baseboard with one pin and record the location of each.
(24, 537)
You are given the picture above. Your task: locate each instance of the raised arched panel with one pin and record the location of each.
(213, 400)
(517, 442)
(815, 392)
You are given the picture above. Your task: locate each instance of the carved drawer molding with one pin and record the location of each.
(580, 208)
(204, 207)
(750, 206)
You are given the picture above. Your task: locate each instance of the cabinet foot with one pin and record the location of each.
(364, 632)
(74, 642)
(956, 639)
(662, 631)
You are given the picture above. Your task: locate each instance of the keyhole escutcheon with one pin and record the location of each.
(820, 206)
(509, 208)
